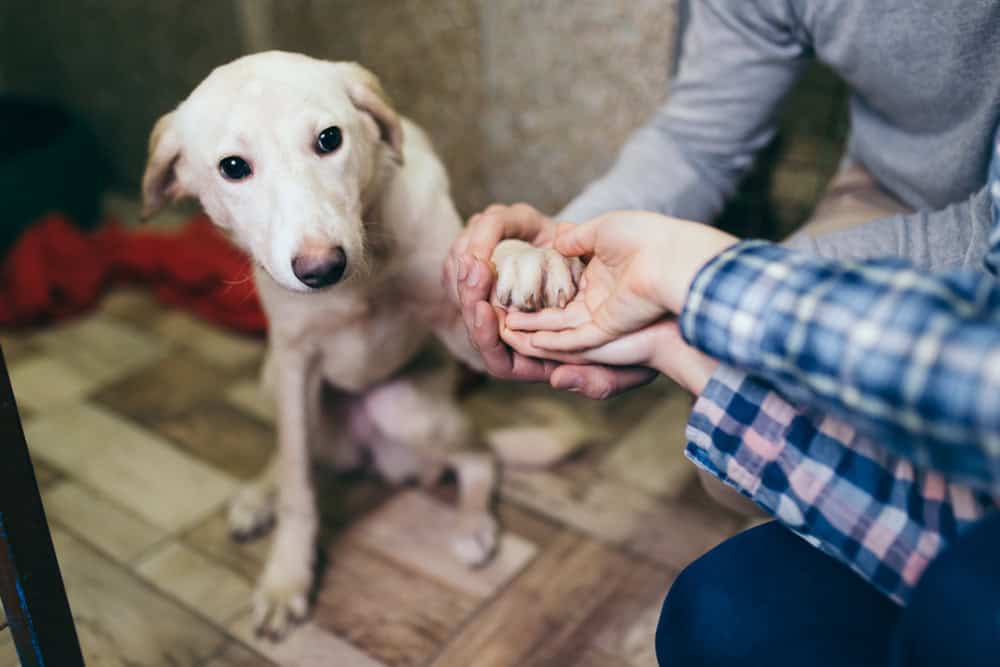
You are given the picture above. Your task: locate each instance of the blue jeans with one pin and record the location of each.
(766, 598)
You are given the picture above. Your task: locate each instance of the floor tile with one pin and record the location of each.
(670, 532)
(166, 389)
(248, 396)
(222, 436)
(182, 573)
(534, 621)
(43, 383)
(17, 344)
(237, 655)
(415, 530)
(109, 528)
(136, 305)
(212, 344)
(650, 456)
(121, 621)
(211, 537)
(130, 466)
(390, 612)
(308, 646)
(101, 349)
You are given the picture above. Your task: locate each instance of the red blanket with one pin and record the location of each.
(55, 270)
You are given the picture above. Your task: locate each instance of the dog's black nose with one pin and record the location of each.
(320, 270)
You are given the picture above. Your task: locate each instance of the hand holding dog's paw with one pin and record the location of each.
(530, 278)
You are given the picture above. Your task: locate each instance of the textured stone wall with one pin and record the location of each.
(525, 99)
(567, 81)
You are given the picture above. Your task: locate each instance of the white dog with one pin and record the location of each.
(346, 212)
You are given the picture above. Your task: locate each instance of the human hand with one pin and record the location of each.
(658, 346)
(480, 237)
(640, 269)
(468, 276)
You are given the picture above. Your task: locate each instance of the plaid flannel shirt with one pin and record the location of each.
(861, 404)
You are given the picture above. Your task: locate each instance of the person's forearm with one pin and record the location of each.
(903, 354)
(738, 63)
(954, 238)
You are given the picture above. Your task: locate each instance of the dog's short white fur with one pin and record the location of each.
(341, 360)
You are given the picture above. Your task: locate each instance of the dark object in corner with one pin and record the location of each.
(31, 586)
(49, 161)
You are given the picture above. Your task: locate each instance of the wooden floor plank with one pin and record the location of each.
(650, 456)
(532, 620)
(106, 526)
(417, 530)
(164, 390)
(391, 613)
(122, 621)
(222, 436)
(180, 572)
(129, 465)
(237, 655)
(308, 646)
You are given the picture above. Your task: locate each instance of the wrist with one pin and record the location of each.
(688, 367)
(703, 245)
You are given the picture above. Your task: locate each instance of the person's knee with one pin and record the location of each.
(953, 616)
(695, 626)
(681, 633)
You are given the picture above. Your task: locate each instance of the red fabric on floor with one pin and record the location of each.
(56, 270)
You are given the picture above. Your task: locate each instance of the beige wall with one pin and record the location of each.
(525, 99)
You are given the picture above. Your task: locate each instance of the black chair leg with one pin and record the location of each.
(31, 585)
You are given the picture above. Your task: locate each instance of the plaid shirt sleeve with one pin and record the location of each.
(913, 359)
(876, 512)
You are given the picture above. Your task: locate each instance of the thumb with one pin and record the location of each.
(577, 240)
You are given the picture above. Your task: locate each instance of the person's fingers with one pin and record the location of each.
(478, 282)
(497, 222)
(461, 245)
(577, 240)
(550, 319)
(584, 337)
(499, 359)
(600, 382)
(520, 342)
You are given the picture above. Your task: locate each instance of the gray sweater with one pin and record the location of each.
(925, 103)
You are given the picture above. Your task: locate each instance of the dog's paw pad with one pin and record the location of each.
(535, 278)
(475, 540)
(251, 515)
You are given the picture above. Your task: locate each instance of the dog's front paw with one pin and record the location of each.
(280, 603)
(251, 514)
(475, 539)
(530, 278)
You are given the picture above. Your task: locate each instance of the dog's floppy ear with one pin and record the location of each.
(366, 94)
(159, 181)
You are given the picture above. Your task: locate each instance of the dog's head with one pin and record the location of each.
(282, 150)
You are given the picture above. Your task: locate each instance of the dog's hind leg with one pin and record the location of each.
(422, 421)
(477, 533)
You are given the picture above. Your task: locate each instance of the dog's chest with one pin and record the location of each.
(371, 349)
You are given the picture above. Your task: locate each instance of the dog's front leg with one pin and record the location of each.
(282, 597)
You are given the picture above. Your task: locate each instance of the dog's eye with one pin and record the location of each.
(329, 140)
(234, 168)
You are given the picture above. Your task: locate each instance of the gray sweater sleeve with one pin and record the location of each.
(952, 238)
(739, 60)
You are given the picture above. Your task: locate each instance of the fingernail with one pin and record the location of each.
(574, 383)
(475, 275)
(461, 268)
